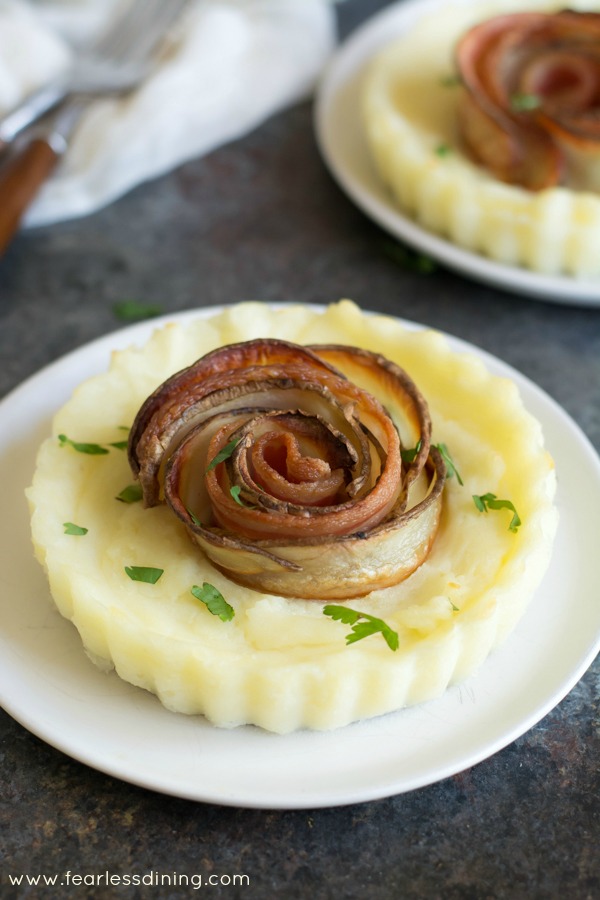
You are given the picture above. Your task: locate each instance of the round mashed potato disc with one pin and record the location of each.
(278, 663)
(410, 98)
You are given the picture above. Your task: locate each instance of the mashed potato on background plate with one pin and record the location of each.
(410, 101)
(279, 663)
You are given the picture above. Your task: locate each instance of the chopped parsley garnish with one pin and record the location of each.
(443, 150)
(194, 518)
(91, 449)
(525, 102)
(72, 528)
(409, 455)
(130, 494)
(147, 574)
(451, 80)
(235, 491)
(222, 455)
(453, 605)
(484, 502)
(214, 601)
(360, 630)
(409, 259)
(133, 310)
(450, 467)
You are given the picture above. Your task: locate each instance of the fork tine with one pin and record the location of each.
(124, 25)
(135, 33)
(166, 14)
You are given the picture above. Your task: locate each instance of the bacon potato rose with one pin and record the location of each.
(150, 604)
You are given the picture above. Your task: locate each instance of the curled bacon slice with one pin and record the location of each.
(532, 94)
(285, 466)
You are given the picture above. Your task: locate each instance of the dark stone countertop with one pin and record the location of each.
(262, 219)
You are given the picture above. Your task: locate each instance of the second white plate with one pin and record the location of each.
(48, 684)
(343, 146)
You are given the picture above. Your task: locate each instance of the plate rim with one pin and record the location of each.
(378, 205)
(298, 799)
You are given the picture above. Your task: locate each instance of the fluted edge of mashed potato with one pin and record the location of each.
(409, 104)
(281, 664)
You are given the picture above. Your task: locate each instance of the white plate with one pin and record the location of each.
(50, 687)
(344, 149)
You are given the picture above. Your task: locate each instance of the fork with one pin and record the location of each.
(116, 63)
(109, 64)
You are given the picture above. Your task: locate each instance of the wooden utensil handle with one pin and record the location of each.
(20, 180)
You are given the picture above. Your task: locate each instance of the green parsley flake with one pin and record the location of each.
(235, 491)
(214, 601)
(443, 150)
(484, 502)
(119, 445)
(525, 102)
(71, 528)
(147, 574)
(361, 630)
(450, 467)
(133, 310)
(452, 80)
(222, 455)
(91, 449)
(409, 455)
(194, 518)
(409, 259)
(131, 494)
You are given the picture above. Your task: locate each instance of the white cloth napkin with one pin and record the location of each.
(229, 64)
